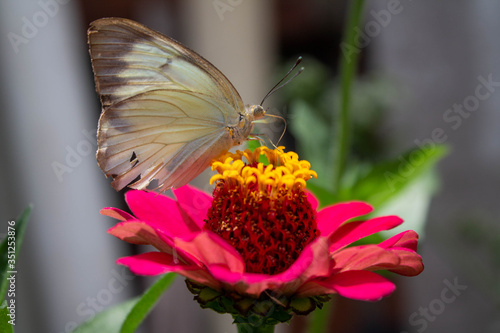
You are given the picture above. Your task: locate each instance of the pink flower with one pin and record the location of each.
(211, 250)
(325, 266)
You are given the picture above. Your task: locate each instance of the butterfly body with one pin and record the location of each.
(167, 112)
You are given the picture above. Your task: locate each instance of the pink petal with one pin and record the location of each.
(195, 202)
(360, 285)
(311, 288)
(354, 231)
(160, 212)
(406, 239)
(410, 263)
(250, 283)
(369, 257)
(154, 263)
(331, 217)
(404, 246)
(242, 283)
(210, 249)
(140, 233)
(312, 262)
(150, 263)
(117, 214)
(312, 200)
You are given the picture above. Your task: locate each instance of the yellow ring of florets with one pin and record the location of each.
(283, 169)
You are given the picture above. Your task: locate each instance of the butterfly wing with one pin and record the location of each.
(165, 108)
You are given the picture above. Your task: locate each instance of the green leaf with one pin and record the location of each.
(411, 204)
(109, 320)
(253, 144)
(386, 180)
(19, 227)
(146, 303)
(127, 316)
(5, 327)
(307, 118)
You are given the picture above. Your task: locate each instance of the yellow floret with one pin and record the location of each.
(284, 169)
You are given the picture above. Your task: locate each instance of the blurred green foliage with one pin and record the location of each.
(127, 316)
(402, 184)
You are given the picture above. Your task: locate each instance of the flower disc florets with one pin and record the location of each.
(260, 207)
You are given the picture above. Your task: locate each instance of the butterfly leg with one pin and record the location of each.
(263, 138)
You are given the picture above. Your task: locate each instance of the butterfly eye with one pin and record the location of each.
(258, 112)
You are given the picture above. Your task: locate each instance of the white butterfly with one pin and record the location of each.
(167, 112)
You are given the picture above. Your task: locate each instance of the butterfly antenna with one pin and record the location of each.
(278, 86)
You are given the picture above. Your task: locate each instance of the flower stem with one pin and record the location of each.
(320, 318)
(248, 328)
(348, 67)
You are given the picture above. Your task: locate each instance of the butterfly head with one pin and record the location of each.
(252, 113)
(245, 125)
(257, 112)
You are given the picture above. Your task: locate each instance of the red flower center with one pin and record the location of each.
(268, 228)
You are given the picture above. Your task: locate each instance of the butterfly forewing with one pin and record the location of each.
(129, 58)
(165, 108)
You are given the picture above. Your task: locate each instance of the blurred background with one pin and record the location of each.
(429, 73)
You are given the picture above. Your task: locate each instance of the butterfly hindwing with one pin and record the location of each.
(159, 131)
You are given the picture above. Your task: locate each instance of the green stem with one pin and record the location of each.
(348, 67)
(248, 328)
(319, 318)
(342, 127)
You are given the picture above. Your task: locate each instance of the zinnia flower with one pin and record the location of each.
(260, 242)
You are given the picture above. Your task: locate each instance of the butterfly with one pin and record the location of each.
(166, 111)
